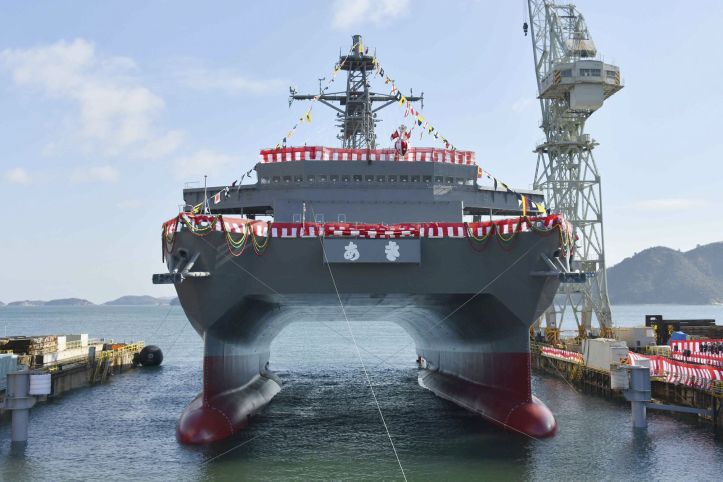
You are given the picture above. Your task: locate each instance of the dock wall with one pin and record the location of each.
(597, 382)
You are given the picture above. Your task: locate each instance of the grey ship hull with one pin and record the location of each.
(468, 310)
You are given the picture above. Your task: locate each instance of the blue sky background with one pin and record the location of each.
(109, 107)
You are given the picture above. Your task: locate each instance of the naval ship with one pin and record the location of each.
(358, 231)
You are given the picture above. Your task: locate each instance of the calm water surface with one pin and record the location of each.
(324, 424)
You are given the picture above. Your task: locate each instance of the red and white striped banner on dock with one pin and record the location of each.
(705, 352)
(698, 376)
(572, 356)
(319, 153)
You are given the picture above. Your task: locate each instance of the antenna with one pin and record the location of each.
(355, 113)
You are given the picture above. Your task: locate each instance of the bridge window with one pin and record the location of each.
(414, 178)
(334, 178)
(381, 179)
(298, 178)
(427, 179)
(341, 218)
(370, 178)
(610, 74)
(296, 218)
(310, 178)
(438, 179)
(322, 178)
(276, 179)
(392, 178)
(264, 180)
(403, 178)
(319, 218)
(566, 73)
(345, 178)
(460, 181)
(449, 180)
(357, 178)
(287, 179)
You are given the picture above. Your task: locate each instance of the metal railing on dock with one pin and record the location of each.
(118, 357)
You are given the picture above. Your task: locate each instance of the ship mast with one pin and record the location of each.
(356, 114)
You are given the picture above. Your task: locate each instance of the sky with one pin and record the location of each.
(108, 108)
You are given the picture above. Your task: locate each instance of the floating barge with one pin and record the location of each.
(72, 361)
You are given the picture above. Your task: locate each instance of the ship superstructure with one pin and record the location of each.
(407, 235)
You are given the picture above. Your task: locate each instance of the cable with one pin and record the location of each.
(361, 360)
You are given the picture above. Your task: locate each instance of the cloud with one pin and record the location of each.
(115, 112)
(203, 162)
(226, 80)
(162, 146)
(668, 204)
(17, 175)
(354, 13)
(96, 174)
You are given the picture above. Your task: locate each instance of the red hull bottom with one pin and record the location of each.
(211, 419)
(509, 404)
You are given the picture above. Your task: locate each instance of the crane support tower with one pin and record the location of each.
(572, 83)
(356, 114)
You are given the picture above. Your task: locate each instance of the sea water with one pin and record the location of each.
(324, 424)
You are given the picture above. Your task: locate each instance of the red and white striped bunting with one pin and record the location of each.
(319, 153)
(232, 224)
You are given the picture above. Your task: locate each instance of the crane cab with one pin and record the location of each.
(584, 84)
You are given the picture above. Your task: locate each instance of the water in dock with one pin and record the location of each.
(323, 424)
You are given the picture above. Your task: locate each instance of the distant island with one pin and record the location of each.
(662, 275)
(58, 302)
(122, 301)
(143, 300)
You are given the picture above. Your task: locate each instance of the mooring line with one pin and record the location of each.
(468, 299)
(361, 360)
(158, 326)
(232, 449)
(234, 261)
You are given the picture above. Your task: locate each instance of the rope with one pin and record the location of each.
(358, 353)
(470, 298)
(361, 360)
(231, 449)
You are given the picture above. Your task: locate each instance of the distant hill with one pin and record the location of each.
(2, 304)
(663, 275)
(68, 302)
(138, 301)
(58, 302)
(175, 302)
(27, 303)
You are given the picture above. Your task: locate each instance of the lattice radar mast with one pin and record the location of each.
(572, 83)
(356, 114)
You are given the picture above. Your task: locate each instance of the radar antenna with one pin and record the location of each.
(356, 116)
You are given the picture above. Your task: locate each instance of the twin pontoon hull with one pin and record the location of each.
(467, 306)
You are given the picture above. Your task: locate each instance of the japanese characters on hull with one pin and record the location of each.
(362, 250)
